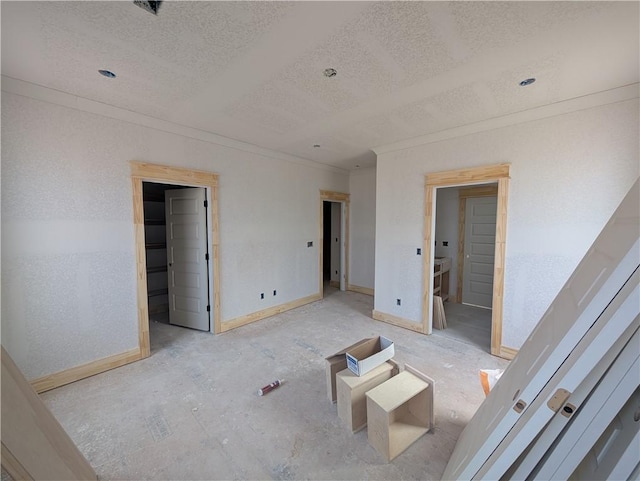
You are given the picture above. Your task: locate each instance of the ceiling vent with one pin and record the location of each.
(149, 6)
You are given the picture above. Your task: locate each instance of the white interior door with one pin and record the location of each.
(187, 257)
(583, 398)
(583, 367)
(597, 431)
(479, 251)
(615, 454)
(600, 276)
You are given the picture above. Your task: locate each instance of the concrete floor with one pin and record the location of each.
(191, 411)
(468, 324)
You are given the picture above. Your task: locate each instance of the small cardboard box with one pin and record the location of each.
(369, 354)
(336, 363)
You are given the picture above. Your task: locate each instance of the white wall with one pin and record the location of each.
(68, 262)
(447, 213)
(362, 227)
(568, 174)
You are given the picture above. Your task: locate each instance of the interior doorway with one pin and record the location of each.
(143, 172)
(332, 242)
(177, 257)
(468, 178)
(333, 249)
(465, 228)
(326, 242)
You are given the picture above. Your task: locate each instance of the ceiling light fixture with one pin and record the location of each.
(526, 82)
(330, 72)
(107, 73)
(148, 5)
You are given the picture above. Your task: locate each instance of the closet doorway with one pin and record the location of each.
(175, 230)
(143, 172)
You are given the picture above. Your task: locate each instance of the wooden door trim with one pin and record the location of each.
(341, 197)
(463, 195)
(499, 173)
(144, 172)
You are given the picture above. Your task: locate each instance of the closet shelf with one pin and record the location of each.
(157, 245)
(153, 270)
(158, 292)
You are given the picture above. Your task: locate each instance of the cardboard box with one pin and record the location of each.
(369, 354)
(336, 363)
(352, 403)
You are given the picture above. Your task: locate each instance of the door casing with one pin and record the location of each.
(467, 177)
(343, 199)
(145, 172)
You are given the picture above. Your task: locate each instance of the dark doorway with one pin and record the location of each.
(326, 244)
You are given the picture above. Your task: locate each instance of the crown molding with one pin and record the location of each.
(621, 94)
(57, 97)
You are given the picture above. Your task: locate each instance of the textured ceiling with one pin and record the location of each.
(253, 71)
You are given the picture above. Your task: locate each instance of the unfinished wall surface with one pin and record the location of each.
(447, 213)
(68, 261)
(568, 174)
(362, 228)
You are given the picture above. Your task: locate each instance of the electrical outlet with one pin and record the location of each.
(310, 244)
(262, 295)
(274, 292)
(398, 302)
(419, 251)
(445, 243)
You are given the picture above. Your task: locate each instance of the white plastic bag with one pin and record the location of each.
(488, 379)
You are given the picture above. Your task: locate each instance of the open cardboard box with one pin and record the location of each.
(369, 354)
(338, 362)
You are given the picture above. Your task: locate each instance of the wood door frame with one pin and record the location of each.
(345, 200)
(499, 173)
(144, 172)
(464, 194)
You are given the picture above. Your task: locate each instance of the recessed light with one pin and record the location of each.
(316, 146)
(330, 72)
(526, 82)
(107, 73)
(148, 5)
